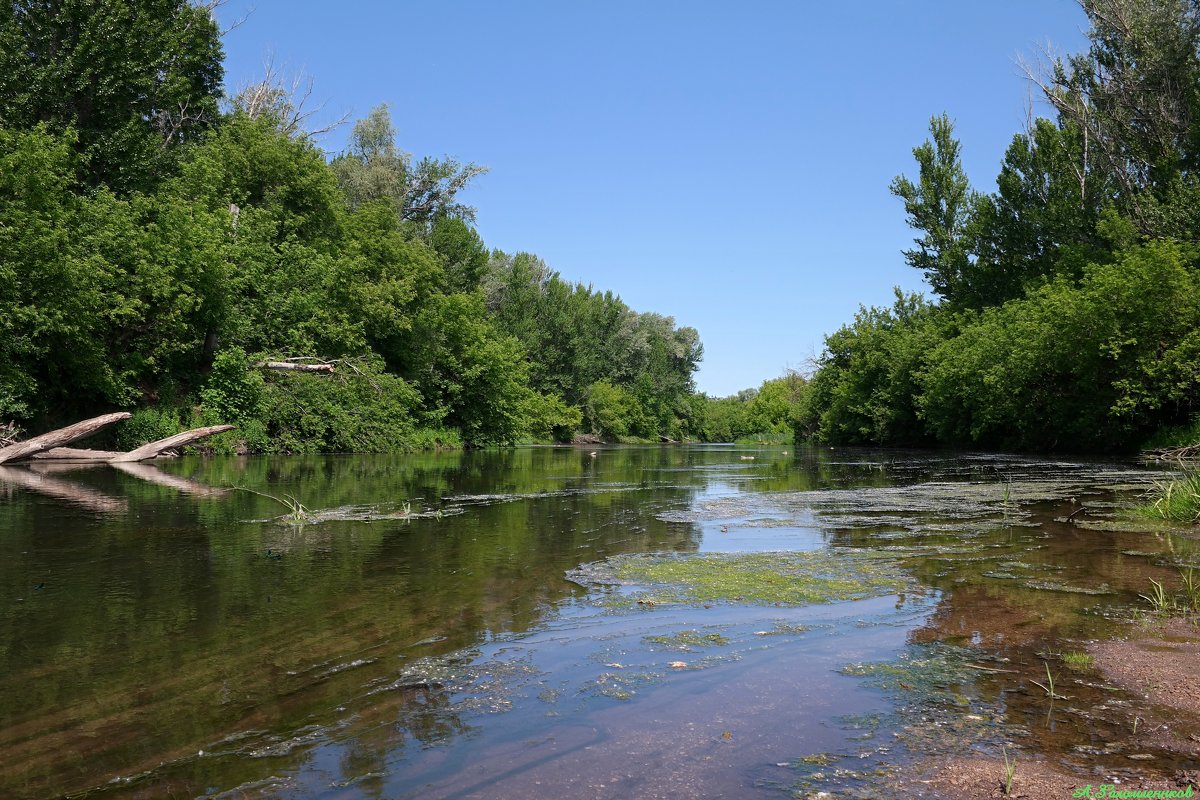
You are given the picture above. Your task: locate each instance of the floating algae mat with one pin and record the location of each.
(774, 578)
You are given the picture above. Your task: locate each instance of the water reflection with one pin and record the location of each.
(161, 631)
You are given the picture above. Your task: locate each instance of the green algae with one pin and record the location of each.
(768, 579)
(925, 677)
(1054, 586)
(686, 641)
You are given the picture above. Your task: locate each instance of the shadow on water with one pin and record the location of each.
(413, 632)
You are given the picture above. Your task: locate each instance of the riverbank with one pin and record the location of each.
(1156, 661)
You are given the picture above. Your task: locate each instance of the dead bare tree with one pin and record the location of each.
(286, 100)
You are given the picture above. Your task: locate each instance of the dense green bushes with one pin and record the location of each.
(771, 412)
(1093, 364)
(151, 263)
(1069, 299)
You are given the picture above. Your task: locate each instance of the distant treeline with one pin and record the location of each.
(1068, 300)
(160, 241)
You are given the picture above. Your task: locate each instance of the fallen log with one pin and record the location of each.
(75, 454)
(289, 365)
(148, 451)
(60, 437)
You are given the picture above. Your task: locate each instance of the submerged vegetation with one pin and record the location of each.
(776, 578)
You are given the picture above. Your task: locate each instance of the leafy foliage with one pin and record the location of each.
(133, 78)
(1069, 297)
(155, 253)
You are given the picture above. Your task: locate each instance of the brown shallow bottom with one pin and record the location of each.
(984, 777)
(1159, 662)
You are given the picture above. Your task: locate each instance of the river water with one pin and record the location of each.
(464, 625)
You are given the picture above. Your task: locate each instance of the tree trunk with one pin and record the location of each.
(60, 437)
(75, 454)
(153, 449)
(296, 367)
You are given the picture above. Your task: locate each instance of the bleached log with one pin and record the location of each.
(75, 454)
(153, 449)
(60, 437)
(295, 367)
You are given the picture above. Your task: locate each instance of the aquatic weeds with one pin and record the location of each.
(296, 511)
(1158, 598)
(772, 578)
(1048, 686)
(1077, 659)
(1006, 503)
(1177, 500)
(687, 641)
(1191, 588)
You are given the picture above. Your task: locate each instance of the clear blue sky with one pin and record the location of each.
(723, 164)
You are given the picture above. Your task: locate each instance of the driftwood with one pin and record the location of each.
(153, 449)
(587, 438)
(59, 437)
(1188, 453)
(296, 365)
(75, 454)
(47, 451)
(9, 434)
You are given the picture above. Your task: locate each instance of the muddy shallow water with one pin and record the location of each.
(645, 622)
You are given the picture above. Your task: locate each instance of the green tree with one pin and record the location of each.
(132, 78)
(867, 385)
(374, 168)
(1087, 366)
(1043, 220)
(939, 205)
(1135, 96)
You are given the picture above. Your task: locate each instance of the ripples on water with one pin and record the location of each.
(414, 632)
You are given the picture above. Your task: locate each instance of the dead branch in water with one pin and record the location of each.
(153, 449)
(1189, 452)
(57, 438)
(45, 448)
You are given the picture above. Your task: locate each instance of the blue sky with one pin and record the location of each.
(723, 164)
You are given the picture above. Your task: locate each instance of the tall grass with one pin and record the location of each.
(1176, 500)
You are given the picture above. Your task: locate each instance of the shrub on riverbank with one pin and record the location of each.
(1068, 303)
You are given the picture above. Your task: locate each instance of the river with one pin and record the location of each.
(489, 624)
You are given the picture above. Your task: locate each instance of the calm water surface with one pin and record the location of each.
(416, 633)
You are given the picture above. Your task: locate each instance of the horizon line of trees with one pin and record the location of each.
(159, 239)
(1067, 302)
